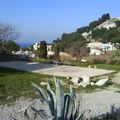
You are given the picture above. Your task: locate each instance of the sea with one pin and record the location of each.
(25, 44)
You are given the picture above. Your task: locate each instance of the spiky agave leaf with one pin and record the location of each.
(72, 94)
(41, 113)
(61, 107)
(51, 99)
(23, 109)
(27, 117)
(59, 100)
(67, 107)
(80, 117)
(68, 104)
(41, 91)
(70, 109)
(75, 108)
(46, 98)
(71, 90)
(83, 115)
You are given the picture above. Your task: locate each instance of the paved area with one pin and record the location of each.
(56, 70)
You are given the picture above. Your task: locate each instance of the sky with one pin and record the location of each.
(38, 20)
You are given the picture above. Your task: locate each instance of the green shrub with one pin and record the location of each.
(97, 60)
(110, 61)
(58, 106)
(114, 60)
(51, 57)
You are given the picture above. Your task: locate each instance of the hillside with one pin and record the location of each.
(109, 23)
(104, 32)
(105, 29)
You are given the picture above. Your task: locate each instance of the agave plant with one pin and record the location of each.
(58, 105)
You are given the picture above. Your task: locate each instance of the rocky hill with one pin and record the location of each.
(108, 26)
(109, 23)
(105, 29)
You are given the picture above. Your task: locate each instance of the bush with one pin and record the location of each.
(110, 61)
(96, 59)
(65, 57)
(51, 57)
(58, 106)
(108, 58)
(113, 60)
(117, 60)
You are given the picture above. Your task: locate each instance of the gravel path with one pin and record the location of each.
(56, 70)
(116, 78)
(98, 102)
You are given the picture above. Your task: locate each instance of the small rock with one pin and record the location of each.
(9, 97)
(43, 83)
(92, 83)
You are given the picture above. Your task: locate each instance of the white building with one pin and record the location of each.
(108, 47)
(95, 52)
(36, 46)
(49, 48)
(98, 48)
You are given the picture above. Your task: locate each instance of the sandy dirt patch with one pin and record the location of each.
(56, 70)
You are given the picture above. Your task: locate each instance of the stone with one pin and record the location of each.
(68, 77)
(86, 79)
(83, 81)
(92, 83)
(101, 82)
(83, 84)
(43, 83)
(75, 80)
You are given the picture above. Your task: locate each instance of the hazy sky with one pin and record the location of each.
(38, 20)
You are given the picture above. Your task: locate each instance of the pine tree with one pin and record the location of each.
(42, 50)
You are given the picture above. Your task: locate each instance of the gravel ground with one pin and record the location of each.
(56, 70)
(98, 102)
(116, 78)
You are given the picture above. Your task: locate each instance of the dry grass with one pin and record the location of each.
(101, 58)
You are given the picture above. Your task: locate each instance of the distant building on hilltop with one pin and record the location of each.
(37, 45)
(49, 48)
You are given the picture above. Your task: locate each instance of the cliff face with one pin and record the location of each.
(107, 24)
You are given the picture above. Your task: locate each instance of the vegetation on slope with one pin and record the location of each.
(68, 41)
